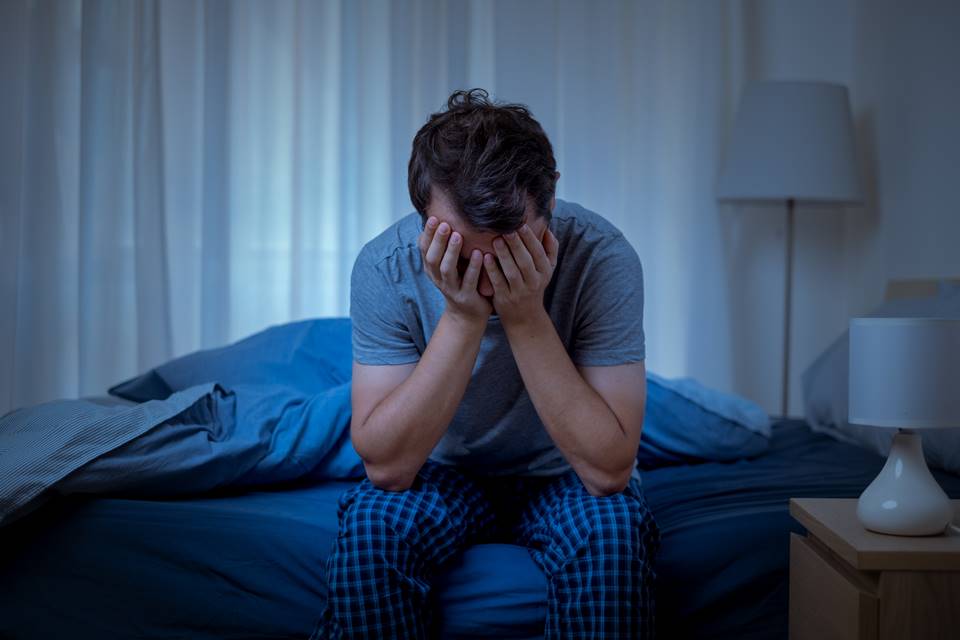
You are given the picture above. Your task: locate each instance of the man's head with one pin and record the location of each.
(485, 169)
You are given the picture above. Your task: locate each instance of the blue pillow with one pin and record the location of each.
(686, 422)
(309, 355)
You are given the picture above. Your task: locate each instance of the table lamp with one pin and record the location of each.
(904, 374)
(791, 141)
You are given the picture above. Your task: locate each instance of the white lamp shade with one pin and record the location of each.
(792, 140)
(905, 372)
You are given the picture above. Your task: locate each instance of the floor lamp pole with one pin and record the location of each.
(785, 392)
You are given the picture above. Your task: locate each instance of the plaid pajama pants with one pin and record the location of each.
(596, 552)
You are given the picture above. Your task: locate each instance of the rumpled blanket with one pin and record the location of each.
(201, 438)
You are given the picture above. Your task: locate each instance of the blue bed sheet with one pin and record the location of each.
(250, 565)
(238, 565)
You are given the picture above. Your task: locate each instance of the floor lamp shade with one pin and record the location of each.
(792, 140)
(904, 374)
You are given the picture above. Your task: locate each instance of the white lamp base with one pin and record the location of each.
(905, 499)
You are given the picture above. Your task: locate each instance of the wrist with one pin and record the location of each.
(466, 323)
(526, 322)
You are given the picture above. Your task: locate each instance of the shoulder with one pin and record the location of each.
(573, 217)
(580, 230)
(396, 243)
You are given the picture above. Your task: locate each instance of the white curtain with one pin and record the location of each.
(176, 175)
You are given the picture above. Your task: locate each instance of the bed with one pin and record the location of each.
(248, 564)
(247, 561)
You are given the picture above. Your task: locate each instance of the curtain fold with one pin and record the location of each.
(181, 174)
(13, 65)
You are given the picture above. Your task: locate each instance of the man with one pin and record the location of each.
(498, 390)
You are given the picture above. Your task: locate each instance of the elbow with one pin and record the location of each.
(617, 482)
(388, 479)
(612, 488)
(608, 484)
(604, 491)
(390, 474)
(392, 485)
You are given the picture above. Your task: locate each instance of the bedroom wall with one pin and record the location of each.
(790, 41)
(898, 61)
(907, 97)
(672, 72)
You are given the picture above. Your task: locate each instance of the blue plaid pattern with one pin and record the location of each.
(596, 552)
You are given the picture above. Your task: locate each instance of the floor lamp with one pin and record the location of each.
(791, 142)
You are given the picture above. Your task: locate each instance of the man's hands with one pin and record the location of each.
(525, 269)
(440, 248)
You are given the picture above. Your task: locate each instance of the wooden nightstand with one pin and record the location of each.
(847, 582)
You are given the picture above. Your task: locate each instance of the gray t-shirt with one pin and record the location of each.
(595, 300)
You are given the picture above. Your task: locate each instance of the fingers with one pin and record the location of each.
(536, 249)
(521, 256)
(552, 247)
(507, 264)
(448, 265)
(427, 234)
(438, 246)
(493, 272)
(472, 275)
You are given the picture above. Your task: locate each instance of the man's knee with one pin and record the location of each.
(620, 521)
(377, 516)
(438, 500)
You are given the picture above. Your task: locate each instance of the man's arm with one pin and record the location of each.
(594, 415)
(400, 412)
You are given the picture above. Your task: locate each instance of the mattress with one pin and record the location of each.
(244, 565)
(250, 565)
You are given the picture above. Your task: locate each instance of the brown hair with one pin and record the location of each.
(488, 157)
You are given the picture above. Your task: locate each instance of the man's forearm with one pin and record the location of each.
(577, 418)
(406, 425)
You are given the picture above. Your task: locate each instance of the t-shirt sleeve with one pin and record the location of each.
(379, 328)
(609, 315)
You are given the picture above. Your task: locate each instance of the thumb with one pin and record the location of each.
(552, 247)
